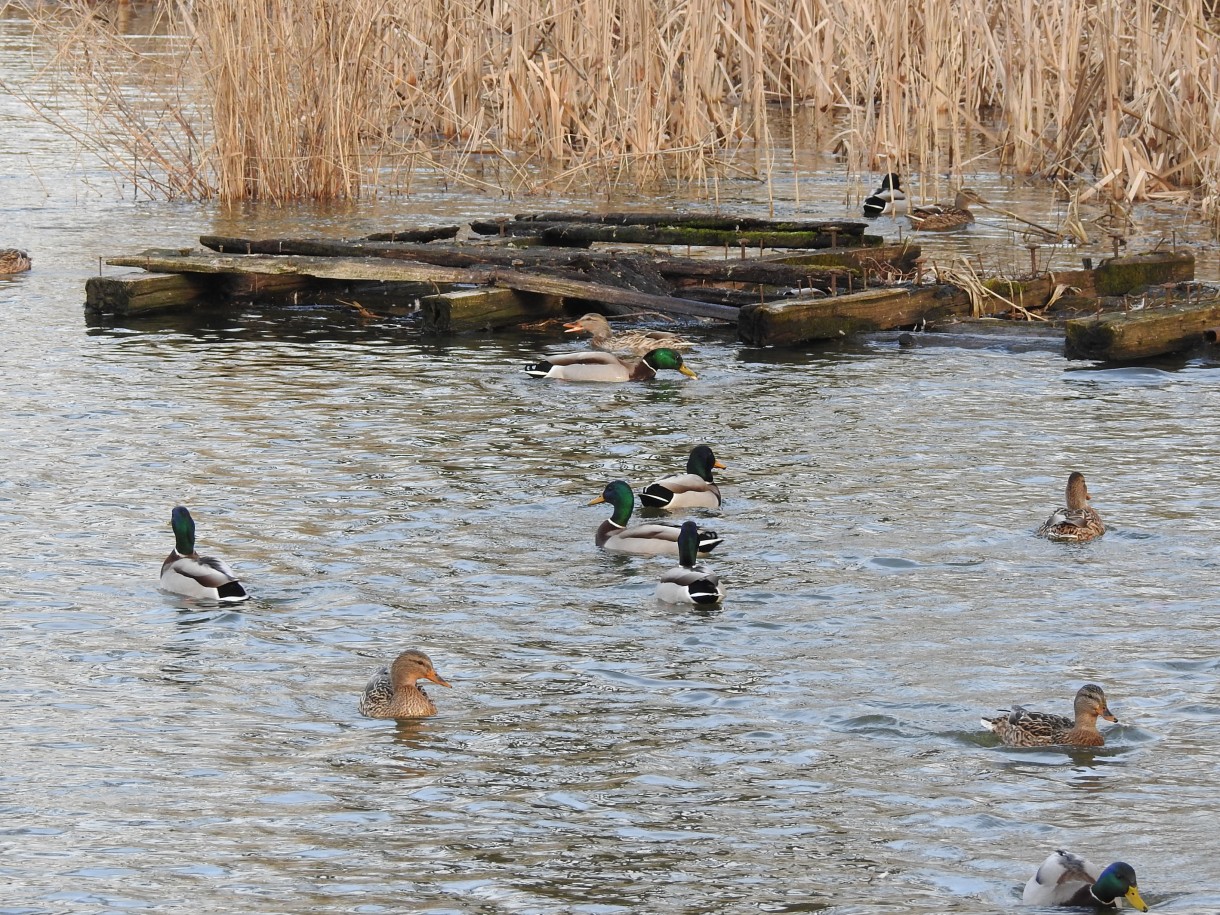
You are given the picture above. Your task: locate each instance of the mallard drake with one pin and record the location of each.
(187, 573)
(693, 489)
(651, 539)
(1022, 728)
(629, 342)
(939, 217)
(13, 261)
(1064, 879)
(598, 366)
(1078, 523)
(887, 200)
(689, 582)
(394, 691)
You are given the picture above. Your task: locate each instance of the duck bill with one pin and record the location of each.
(1109, 716)
(1135, 900)
(572, 328)
(719, 465)
(686, 370)
(437, 678)
(598, 501)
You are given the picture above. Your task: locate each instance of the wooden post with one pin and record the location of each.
(145, 293)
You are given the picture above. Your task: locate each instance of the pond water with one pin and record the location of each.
(812, 745)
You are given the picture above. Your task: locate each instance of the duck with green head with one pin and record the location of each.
(187, 573)
(593, 365)
(693, 489)
(690, 582)
(649, 539)
(1065, 879)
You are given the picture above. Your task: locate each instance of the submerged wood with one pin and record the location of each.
(1118, 336)
(416, 235)
(484, 308)
(801, 320)
(145, 293)
(349, 268)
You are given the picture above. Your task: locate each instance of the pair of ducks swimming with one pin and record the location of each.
(890, 200)
(647, 352)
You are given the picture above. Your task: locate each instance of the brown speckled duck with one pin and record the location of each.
(1022, 728)
(625, 342)
(13, 261)
(393, 691)
(1078, 523)
(938, 217)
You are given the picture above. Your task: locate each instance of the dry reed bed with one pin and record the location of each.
(326, 98)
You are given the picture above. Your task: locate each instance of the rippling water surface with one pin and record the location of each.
(812, 745)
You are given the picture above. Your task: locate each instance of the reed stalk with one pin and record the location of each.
(284, 100)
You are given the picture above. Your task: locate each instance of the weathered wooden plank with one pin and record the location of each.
(145, 293)
(567, 234)
(799, 320)
(347, 268)
(1123, 275)
(1141, 334)
(485, 308)
(879, 259)
(435, 233)
(696, 221)
(733, 270)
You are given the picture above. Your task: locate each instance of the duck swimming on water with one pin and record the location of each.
(939, 217)
(887, 200)
(1023, 728)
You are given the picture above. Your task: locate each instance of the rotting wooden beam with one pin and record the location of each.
(1118, 336)
(435, 233)
(796, 321)
(881, 259)
(485, 308)
(348, 268)
(695, 221)
(145, 293)
(1124, 275)
(561, 234)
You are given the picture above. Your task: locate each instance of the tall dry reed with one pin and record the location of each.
(325, 98)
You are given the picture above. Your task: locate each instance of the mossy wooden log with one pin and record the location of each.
(1141, 334)
(486, 308)
(698, 221)
(145, 293)
(348, 268)
(880, 259)
(566, 234)
(1123, 275)
(800, 320)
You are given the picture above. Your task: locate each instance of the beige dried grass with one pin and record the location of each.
(339, 98)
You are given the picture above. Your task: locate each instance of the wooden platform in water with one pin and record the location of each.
(780, 283)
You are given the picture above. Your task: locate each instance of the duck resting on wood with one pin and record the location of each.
(1023, 728)
(598, 366)
(625, 342)
(939, 217)
(1064, 879)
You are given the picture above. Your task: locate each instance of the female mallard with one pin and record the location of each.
(944, 218)
(1078, 523)
(13, 261)
(598, 366)
(1022, 728)
(689, 583)
(652, 539)
(693, 489)
(887, 200)
(187, 573)
(629, 342)
(1063, 879)
(393, 691)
